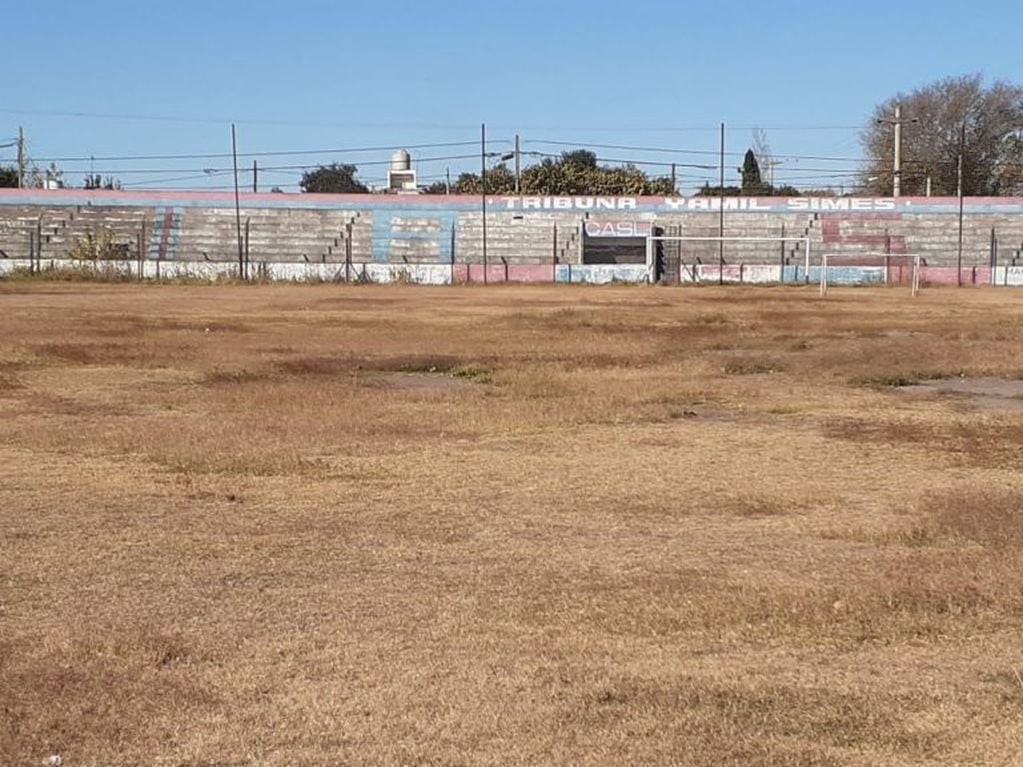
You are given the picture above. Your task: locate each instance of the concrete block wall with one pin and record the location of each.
(20, 224)
(527, 240)
(274, 235)
(124, 225)
(744, 224)
(430, 239)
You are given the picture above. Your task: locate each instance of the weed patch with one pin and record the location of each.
(744, 366)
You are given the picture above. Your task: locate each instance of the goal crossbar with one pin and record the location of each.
(828, 261)
(652, 239)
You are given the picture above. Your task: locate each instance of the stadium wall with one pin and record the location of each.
(439, 239)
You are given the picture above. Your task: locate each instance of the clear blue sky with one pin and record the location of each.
(134, 78)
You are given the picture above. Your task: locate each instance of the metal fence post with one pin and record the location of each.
(554, 255)
(348, 252)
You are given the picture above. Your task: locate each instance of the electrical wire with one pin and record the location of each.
(670, 150)
(215, 170)
(284, 153)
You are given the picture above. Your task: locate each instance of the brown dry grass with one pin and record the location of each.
(318, 525)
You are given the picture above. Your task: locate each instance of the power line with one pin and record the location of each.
(216, 170)
(675, 150)
(167, 180)
(626, 147)
(419, 126)
(632, 162)
(287, 153)
(677, 128)
(228, 121)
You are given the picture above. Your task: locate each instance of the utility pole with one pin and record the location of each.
(771, 164)
(518, 164)
(447, 181)
(674, 186)
(897, 160)
(21, 157)
(237, 204)
(483, 193)
(255, 176)
(897, 169)
(959, 192)
(721, 213)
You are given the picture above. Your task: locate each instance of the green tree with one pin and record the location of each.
(8, 177)
(752, 183)
(580, 158)
(552, 176)
(934, 116)
(716, 191)
(437, 187)
(578, 172)
(573, 173)
(332, 179)
(500, 180)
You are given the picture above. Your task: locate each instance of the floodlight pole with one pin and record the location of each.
(959, 192)
(897, 122)
(518, 163)
(897, 164)
(21, 158)
(237, 204)
(721, 212)
(483, 193)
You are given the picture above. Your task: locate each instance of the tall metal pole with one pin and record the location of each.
(897, 167)
(21, 157)
(518, 163)
(255, 176)
(483, 192)
(673, 184)
(959, 191)
(721, 213)
(237, 204)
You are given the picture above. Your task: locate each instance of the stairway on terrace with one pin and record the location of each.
(797, 226)
(274, 235)
(18, 223)
(519, 240)
(122, 225)
(934, 237)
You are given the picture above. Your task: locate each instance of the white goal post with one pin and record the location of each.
(651, 252)
(865, 273)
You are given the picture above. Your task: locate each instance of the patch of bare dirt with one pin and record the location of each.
(427, 382)
(979, 393)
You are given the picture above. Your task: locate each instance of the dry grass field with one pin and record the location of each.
(323, 525)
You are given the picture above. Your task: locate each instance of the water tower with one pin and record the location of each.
(401, 179)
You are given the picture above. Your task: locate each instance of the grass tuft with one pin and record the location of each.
(744, 366)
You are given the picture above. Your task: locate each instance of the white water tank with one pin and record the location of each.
(401, 179)
(401, 161)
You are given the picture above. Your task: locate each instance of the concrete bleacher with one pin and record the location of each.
(125, 227)
(20, 225)
(795, 226)
(273, 235)
(435, 239)
(519, 240)
(935, 239)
